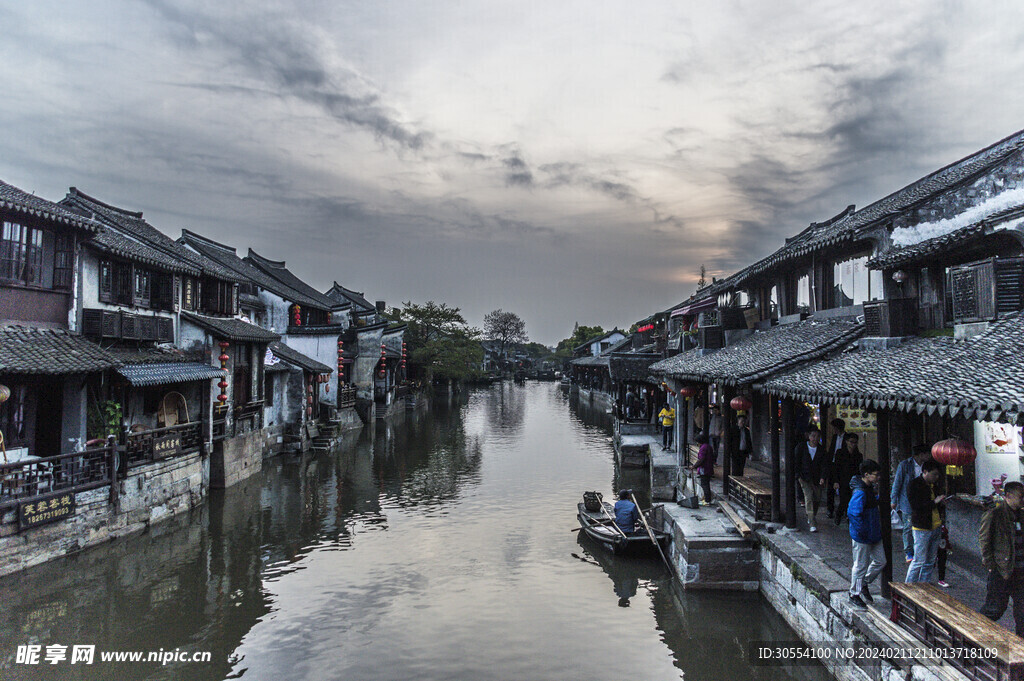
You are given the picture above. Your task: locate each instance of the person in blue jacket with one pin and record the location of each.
(908, 469)
(626, 513)
(866, 533)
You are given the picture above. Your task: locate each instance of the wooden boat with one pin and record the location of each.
(597, 526)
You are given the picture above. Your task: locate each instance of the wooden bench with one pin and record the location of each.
(752, 496)
(943, 622)
(735, 519)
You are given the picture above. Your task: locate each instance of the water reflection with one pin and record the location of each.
(437, 547)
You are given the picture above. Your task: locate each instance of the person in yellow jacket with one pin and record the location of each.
(667, 416)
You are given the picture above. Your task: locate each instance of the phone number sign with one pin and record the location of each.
(46, 510)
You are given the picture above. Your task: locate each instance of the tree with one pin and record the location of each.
(702, 282)
(439, 342)
(506, 328)
(580, 335)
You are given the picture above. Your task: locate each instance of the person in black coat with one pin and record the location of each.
(812, 464)
(740, 446)
(845, 465)
(835, 443)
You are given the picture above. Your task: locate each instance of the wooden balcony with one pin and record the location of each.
(76, 472)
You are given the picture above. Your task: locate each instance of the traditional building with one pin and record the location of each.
(160, 306)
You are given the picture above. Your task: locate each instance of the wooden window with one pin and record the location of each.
(63, 261)
(163, 291)
(142, 288)
(106, 294)
(122, 290)
(242, 388)
(12, 418)
(21, 254)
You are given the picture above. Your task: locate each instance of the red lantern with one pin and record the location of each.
(309, 411)
(688, 391)
(224, 345)
(297, 315)
(741, 403)
(954, 452)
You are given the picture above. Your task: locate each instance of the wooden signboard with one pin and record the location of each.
(167, 445)
(46, 510)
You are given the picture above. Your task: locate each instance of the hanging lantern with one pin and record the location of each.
(741, 403)
(223, 385)
(688, 391)
(5, 393)
(954, 452)
(309, 412)
(383, 359)
(341, 364)
(297, 315)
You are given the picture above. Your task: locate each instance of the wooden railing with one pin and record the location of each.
(219, 425)
(161, 443)
(75, 472)
(347, 396)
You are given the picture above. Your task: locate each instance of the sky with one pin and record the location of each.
(568, 161)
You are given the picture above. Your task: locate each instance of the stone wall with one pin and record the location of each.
(148, 494)
(236, 458)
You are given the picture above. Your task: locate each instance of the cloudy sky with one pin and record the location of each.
(569, 161)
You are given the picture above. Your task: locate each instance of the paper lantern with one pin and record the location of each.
(688, 391)
(224, 345)
(954, 452)
(5, 393)
(741, 403)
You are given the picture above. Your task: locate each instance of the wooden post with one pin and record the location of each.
(773, 427)
(728, 416)
(787, 445)
(884, 486)
(115, 488)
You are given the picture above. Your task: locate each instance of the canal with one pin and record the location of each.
(439, 547)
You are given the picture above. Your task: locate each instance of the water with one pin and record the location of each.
(436, 548)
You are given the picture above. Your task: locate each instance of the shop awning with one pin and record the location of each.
(166, 373)
(698, 306)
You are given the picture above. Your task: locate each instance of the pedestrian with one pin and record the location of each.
(845, 465)
(926, 521)
(626, 514)
(631, 404)
(1001, 535)
(865, 532)
(835, 445)
(908, 469)
(667, 416)
(741, 445)
(715, 428)
(705, 466)
(698, 417)
(811, 458)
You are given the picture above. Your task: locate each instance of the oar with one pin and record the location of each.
(650, 534)
(613, 523)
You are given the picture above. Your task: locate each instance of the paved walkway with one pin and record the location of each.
(832, 545)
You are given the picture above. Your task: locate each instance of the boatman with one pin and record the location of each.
(626, 513)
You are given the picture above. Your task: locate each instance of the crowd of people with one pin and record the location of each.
(838, 477)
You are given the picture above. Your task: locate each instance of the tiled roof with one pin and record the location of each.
(231, 328)
(133, 225)
(592, 361)
(249, 300)
(12, 198)
(322, 330)
(109, 241)
(158, 355)
(847, 225)
(172, 372)
(946, 243)
(631, 366)
(52, 352)
(228, 257)
(276, 269)
(762, 353)
(292, 356)
(340, 294)
(978, 378)
(596, 339)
